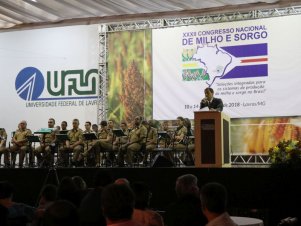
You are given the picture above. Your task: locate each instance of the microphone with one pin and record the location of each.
(204, 100)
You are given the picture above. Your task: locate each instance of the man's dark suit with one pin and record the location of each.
(216, 104)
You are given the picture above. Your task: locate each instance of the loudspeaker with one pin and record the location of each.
(161, 161)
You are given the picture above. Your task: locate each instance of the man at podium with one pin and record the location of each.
(214, 104)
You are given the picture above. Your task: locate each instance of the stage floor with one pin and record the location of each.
(275, 190)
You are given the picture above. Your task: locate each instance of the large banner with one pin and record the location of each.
(254, 66)
(129, 75)
(258, 135)
(48, 73)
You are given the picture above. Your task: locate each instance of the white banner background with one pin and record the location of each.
(174, 97)
(51, 49)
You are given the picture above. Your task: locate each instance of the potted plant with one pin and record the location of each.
(286, 153)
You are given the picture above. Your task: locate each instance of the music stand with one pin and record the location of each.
(118, 133)
(32, 139)
(90, 136)
(163, 135)
(63, 131)
(60, 138)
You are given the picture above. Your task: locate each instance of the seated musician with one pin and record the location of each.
(19, 143)
(164, 141)
(118, 141)
(47, 145)
(165, 135)
(3, 149)
(189, 157)
(136, 139)
(73, 144)
(180, 135)
(151, 140)
(104, 142)
(87, 144)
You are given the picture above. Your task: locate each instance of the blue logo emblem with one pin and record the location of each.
(29, 83)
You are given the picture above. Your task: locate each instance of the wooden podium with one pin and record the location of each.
(212, 139)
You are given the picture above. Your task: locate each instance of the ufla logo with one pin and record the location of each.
(71, 84)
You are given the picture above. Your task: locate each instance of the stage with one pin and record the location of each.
(268, 193)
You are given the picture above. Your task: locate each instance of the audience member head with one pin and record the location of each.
(122, 181)
(187, 185)
(142, 195)
(6, 190)
(79, 182)
(103, 178)
(61, 213)
(6, 193)
(214, 199)
(48, 194)
(67, 190)
(117, 202)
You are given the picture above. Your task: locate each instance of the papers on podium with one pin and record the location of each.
(204, 109)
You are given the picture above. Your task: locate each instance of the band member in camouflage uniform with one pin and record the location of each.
(47, 145)
(104, 142)
(73, 144)
(118, 141)
(87, 143)
(137, 138)
(20, 143)
(180, 135)
(3, 149)
(151, 140)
